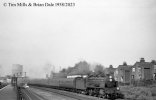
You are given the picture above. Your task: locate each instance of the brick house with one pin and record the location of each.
(142, 70)
(154, 71)
(110, 70)
(123, 73)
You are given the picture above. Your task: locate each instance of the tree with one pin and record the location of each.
(63, 70)
(99, 70)
(80, 68)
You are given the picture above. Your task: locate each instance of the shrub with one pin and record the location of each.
(136, 93)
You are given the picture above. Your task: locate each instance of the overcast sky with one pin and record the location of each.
(98, 31)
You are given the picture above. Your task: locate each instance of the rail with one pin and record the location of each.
(69, 94)
(19, 93)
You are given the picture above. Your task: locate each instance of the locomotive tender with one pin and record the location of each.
(105, 87)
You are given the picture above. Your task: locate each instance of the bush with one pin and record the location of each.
(136, 93)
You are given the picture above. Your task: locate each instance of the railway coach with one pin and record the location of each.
(70, 84)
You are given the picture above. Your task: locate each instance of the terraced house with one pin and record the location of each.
(141, 70)
(123, 73)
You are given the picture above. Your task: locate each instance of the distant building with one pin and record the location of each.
(74, 76)
(123, 73)
(17, 70)
(47, 76)
(110, 70)
(51, 74)
(2, 79)
(142, 70)
(58, 75)
(5, 80)
(153, 62)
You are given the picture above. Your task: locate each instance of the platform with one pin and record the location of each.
(8, 93)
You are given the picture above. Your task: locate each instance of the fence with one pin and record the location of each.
(19, 94)
(139, 83)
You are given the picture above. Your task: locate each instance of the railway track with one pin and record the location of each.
(70, 94)
(26, 94)
(33, 94)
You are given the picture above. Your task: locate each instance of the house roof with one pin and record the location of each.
(124, 67)
(143, 64)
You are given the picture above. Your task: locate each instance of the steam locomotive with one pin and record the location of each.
(104, 87)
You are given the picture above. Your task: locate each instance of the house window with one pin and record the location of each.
(116, 71)
(133, 69)
(132, 76)
(154, 76)
(155, 67)
(140, 76)
(121, 78)
(139, 70)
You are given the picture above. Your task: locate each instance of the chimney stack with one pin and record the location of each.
(142, 60)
